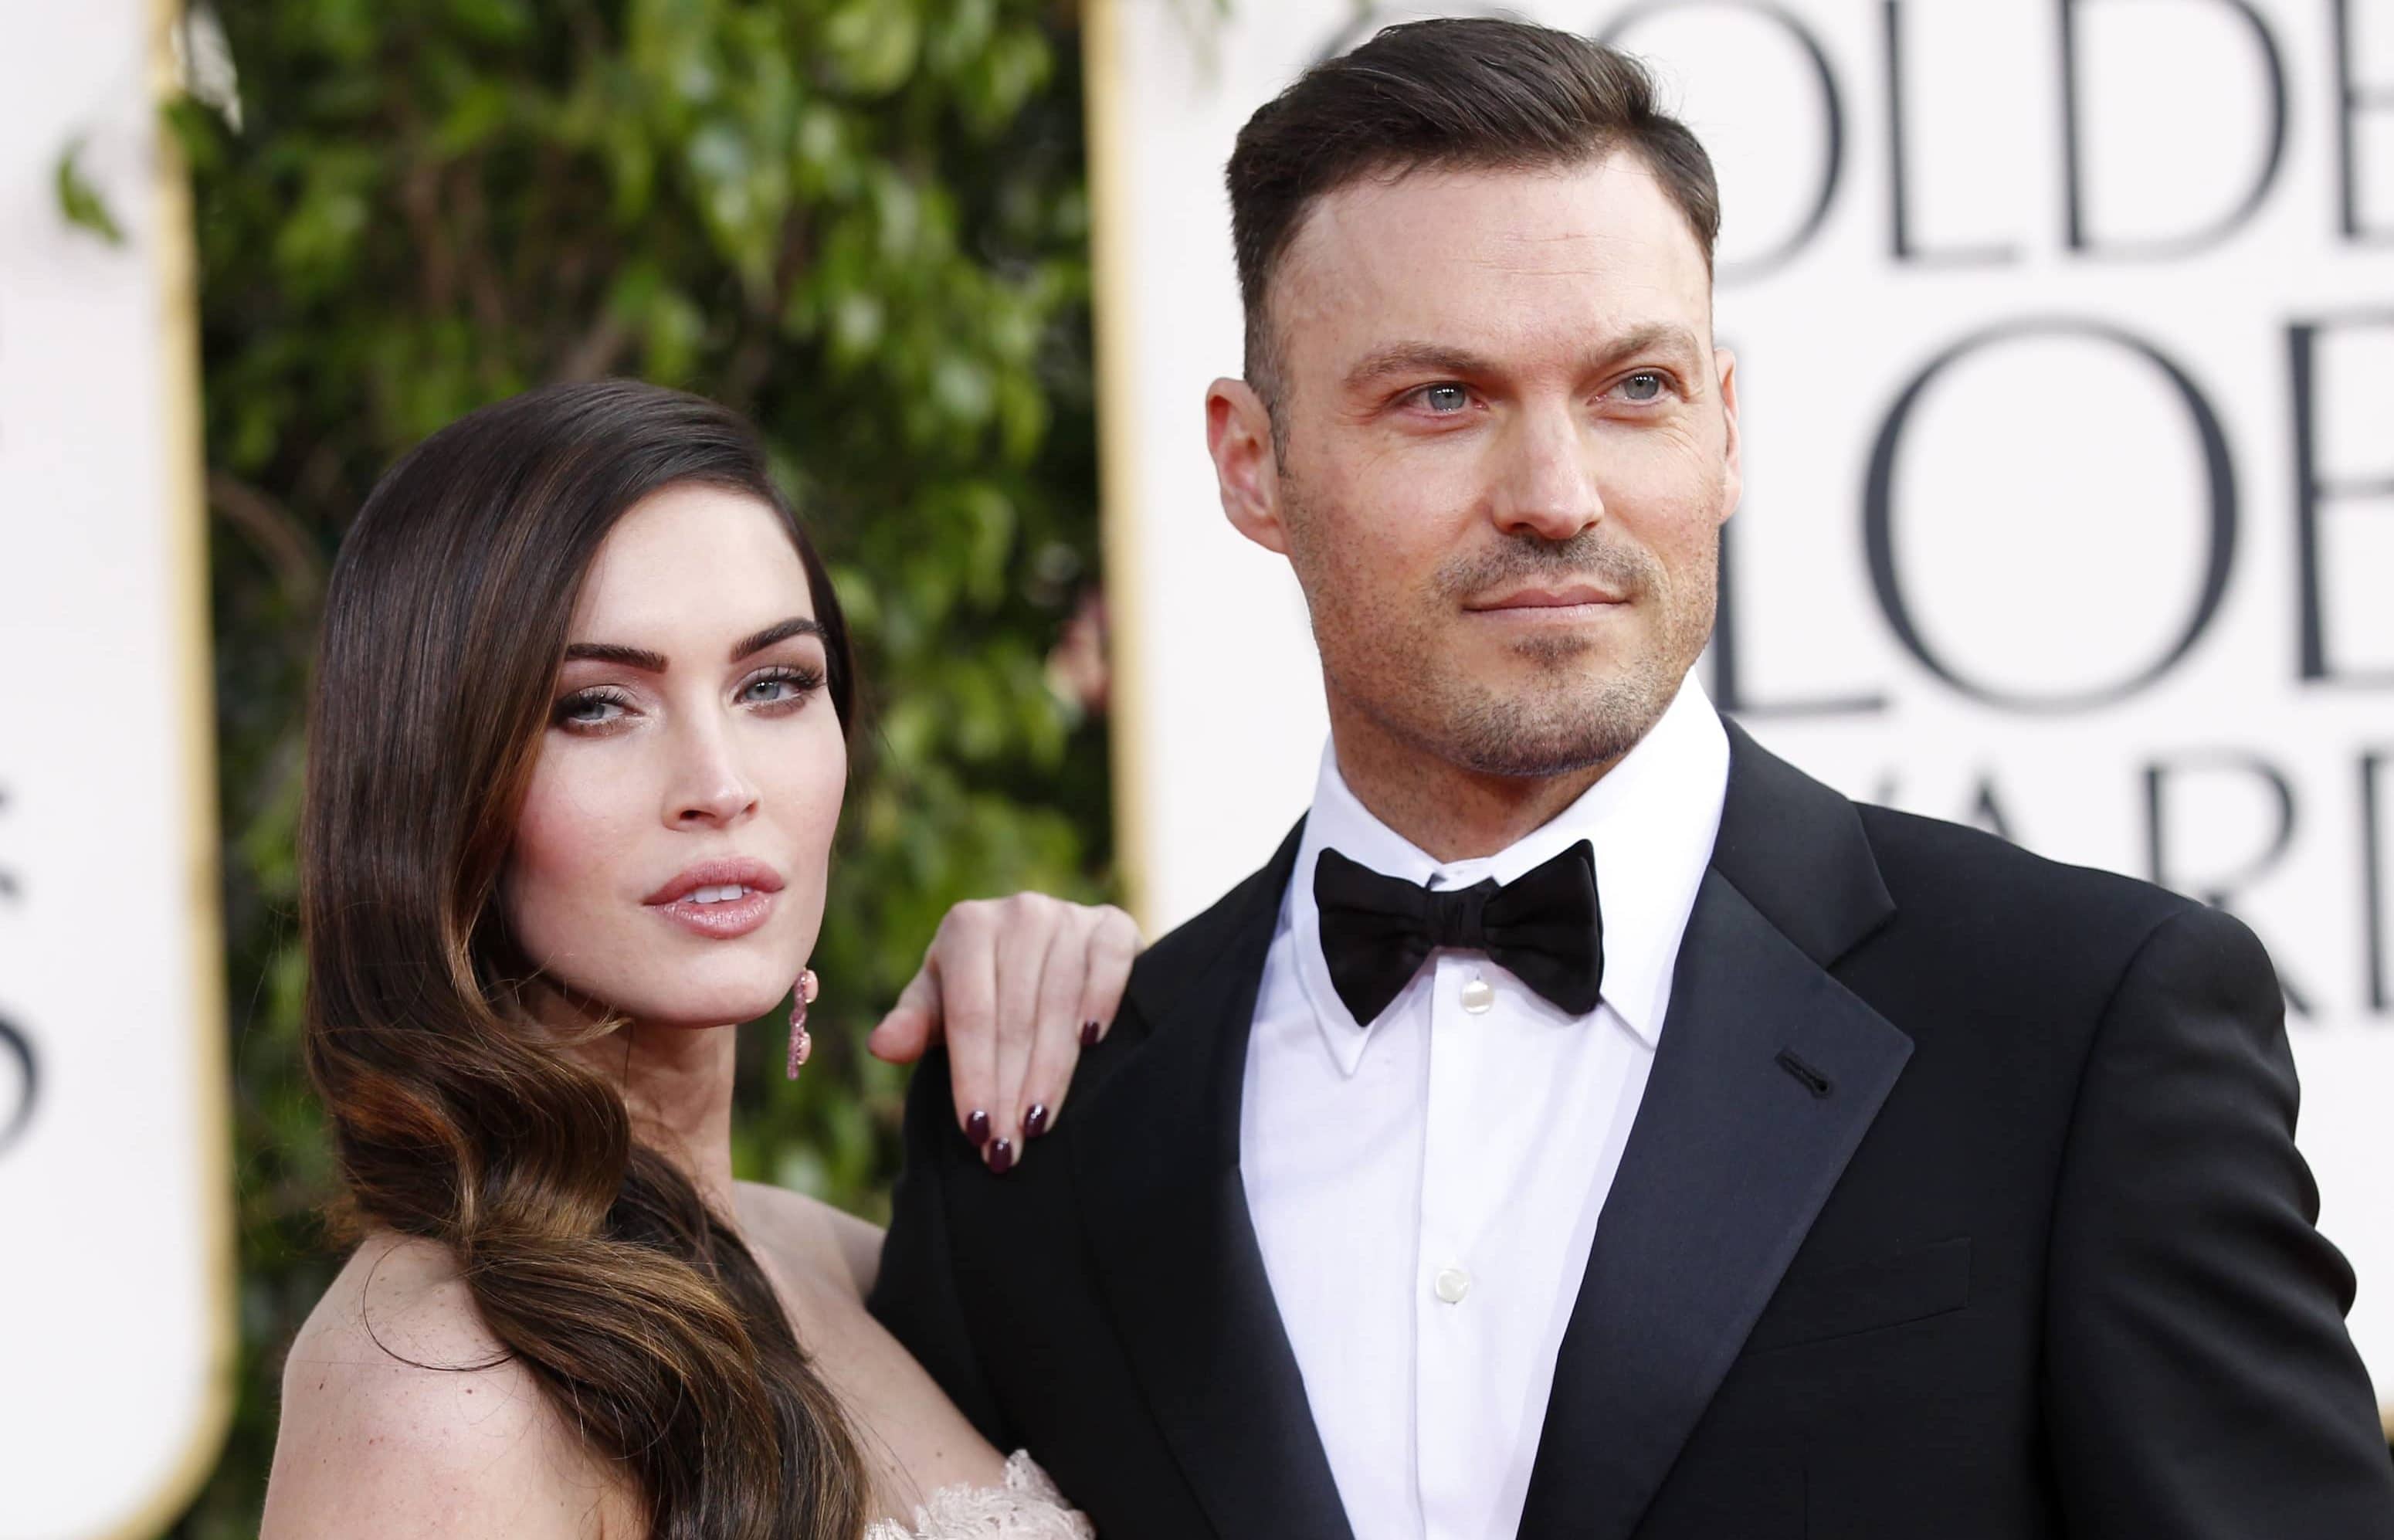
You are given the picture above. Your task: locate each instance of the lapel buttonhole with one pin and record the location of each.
(1806, 1076)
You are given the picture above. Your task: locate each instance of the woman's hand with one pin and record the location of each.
(1017, 987)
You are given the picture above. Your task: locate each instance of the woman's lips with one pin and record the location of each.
(719, 899)
(723, 920)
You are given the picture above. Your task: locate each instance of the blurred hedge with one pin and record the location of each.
(863, 223)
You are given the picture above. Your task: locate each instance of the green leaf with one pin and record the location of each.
(499, 22)
(872, 44)
(480, 111)
(81, 201)
(671, 332)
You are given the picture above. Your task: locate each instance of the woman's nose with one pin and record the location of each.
(711, 788)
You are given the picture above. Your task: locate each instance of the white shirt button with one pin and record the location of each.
(1479, 995)
(1451, 1284)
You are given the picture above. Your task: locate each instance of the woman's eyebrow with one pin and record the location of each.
(796, 625)
(608, 652)
(655, 662)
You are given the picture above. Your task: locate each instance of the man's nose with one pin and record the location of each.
(710, 788)
(1546, 483)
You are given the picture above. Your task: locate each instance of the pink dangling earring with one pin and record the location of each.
(801, 1044)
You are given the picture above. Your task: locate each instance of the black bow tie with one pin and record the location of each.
(1544, 927)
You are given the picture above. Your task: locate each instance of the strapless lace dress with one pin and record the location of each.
(1027, 1507)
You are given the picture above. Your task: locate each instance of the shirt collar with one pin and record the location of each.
(1651, 818)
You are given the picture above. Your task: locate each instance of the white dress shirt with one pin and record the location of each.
(1424, 1187)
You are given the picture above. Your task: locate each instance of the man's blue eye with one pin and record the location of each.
(1642, 386)
(1445, 399)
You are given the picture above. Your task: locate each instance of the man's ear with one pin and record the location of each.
(1733, 489)
(1246, 468)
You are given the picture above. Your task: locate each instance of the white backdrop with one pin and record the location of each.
(115, 1271)
(2067, 364)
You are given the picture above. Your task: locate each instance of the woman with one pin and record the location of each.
(577, 754)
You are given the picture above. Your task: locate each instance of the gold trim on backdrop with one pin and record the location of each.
(184, 511)
(1114, 325)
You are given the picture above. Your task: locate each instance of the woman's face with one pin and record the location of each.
(670, 859)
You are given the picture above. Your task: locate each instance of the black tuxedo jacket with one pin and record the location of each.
(1963, 1202)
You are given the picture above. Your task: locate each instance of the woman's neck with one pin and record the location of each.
(676, 1083)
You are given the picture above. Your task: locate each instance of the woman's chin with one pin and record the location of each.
(716, 1006)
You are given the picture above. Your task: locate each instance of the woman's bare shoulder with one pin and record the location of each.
(403, 1415)
(831, 1245)
(914, 1439)
(398, 1302)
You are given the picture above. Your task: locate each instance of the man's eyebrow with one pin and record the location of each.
(796, 625)
(1656, 336)
(608, 652)
(1417, 357)
(1433, 357)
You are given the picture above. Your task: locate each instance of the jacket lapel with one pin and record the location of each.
(1156, 1159)
(1766, 1076)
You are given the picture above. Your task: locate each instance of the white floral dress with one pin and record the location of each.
(1027, 1507)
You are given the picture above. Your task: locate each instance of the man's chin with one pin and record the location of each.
(1541, 761)
(1593, 652)
(1556, 728)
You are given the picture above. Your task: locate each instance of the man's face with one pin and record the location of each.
(1504, 448)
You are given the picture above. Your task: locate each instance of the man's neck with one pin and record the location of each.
(677, 1085)
(1446, 810)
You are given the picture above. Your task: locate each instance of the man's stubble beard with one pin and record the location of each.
(1569, 716)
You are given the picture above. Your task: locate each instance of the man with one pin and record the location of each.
(1587, 1125)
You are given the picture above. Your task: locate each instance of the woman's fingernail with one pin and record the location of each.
(1089, 1035)
(1035, 1121)
(1001, 1157)
(976, 1129)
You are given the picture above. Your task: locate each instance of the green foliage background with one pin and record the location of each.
(863, 223)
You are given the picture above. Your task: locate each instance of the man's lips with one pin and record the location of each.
(1570, 596)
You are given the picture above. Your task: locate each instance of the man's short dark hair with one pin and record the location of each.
(1457, 93)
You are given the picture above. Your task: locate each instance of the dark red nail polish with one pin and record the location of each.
(1001, 1157)
(976, 1129)
(1035, 1122)
(1088, 1035)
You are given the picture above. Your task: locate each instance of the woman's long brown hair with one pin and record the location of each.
(591, 1258)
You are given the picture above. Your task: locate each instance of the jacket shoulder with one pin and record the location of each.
(1941, 874)
(1199, 943)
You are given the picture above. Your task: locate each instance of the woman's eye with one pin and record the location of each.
(1445, 400)
(781, 687)
(1644, 386)
(590, 708)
